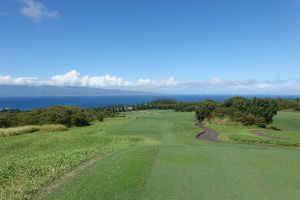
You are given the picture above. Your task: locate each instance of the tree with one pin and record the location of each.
(204, 110)
(79, 119)
(240, 103)
(266, 108)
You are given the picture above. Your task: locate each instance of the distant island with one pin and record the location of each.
(29, 91)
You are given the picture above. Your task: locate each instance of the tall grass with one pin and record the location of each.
(260, 140)
(5, 132)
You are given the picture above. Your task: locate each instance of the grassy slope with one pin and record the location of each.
(288, 121)
(184, 168)
(27, 162)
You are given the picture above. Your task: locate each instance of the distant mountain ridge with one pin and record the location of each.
(28, 91)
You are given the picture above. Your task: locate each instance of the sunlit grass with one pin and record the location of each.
(5, 132)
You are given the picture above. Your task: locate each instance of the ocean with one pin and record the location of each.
(27, 103)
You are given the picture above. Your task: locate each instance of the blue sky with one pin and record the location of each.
(176, 46)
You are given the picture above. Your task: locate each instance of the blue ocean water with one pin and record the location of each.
(27, 103)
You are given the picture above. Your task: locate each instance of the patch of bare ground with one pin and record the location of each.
(207, 133)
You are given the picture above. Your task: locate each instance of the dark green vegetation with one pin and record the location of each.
(65, 115)
(288, 104)
(238, 109)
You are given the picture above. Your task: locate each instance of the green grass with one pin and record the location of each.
(119, 176)
(287, 121)
(30, 161)
(181, 167)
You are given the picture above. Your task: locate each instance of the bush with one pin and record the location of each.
(79, 119)
(260, 122)
(205, 109)
(247, 119)
(100, 118)
(220, 112)
(273, 127)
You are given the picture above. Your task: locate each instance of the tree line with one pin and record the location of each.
(65, 115)
(258, 111)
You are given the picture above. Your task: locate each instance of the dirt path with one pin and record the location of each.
(52, 186)
(207, 134)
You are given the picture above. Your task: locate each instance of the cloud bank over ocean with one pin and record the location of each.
(168, 85)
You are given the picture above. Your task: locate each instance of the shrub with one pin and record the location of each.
(204, 110)
(273, 127)
(247, 119)
(79, 119)
(100, 118)
(260, 122)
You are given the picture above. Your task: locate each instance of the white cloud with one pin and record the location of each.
(157, 83)
(37, 11)
(245, 86)
(214, 85)
(74, 78)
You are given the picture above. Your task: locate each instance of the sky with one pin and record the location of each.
(169, 46)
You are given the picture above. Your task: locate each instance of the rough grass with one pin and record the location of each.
(289, 135)
(261, 140)
(30, 161)
(5, 132)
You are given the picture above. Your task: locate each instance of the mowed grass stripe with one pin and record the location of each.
(121, 175)
(224, 172)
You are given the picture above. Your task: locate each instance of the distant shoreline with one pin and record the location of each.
(28, 103)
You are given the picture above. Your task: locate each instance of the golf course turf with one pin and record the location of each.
(159, 157)
(181, 167)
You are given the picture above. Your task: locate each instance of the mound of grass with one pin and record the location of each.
(5, 132)
(287, 121)
(18, 130)
(53, 127)
(261, 140)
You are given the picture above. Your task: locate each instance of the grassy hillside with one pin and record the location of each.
(287, 121)
(29, 162)
(181, 167)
